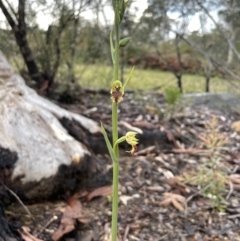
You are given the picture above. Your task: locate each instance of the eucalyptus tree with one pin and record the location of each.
(16, 17)
(218, 45)
(161, 27)
(230, 14)
(43, 51)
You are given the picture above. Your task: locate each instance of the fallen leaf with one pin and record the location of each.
(175, 183)
(144, 124)
(171, 137)
(167, 174)
(178, 201)
(99, 192)
(177, 205)
(175, 196)
(139, 118)
(25, 233)
(166, 202)
(130, 127)
(235, 179)
(72, 213)
(146, 150)
(236, 187)
(155, 188)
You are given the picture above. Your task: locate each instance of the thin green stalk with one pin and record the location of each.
(117, 39)
(116, 73)
(115, 129)
(115, 126)
(115, 173)
(115, 201)
(117, 92)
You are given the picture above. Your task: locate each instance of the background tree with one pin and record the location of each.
(44, 51)
(16, 19)
(63, 50)
(230, 15)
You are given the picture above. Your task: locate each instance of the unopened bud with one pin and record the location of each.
(123, 42)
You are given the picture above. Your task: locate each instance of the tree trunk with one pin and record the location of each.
(230, 50)
(26, 52)
(20, 31)
(208, 69)
(179, 82)
(179, 74)
(207, 89)
(71, 61)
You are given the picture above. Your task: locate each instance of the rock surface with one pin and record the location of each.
(223, 102)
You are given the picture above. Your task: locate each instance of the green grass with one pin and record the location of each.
(100, 76)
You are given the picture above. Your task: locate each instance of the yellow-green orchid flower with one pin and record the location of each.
(132, 140)
(117, 91)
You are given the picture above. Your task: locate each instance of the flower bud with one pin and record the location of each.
(123, 42)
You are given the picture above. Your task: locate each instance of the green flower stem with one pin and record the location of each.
(115, 128)
(115, 173)
(115, 201)
(117, 39)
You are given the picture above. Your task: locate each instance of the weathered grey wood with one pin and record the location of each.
(30, 127)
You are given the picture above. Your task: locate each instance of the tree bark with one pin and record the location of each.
(207, 84)
(179, 74)
(176, 71)
(179, 82)
(230, 51)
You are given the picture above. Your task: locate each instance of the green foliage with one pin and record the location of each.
(212, 183)
(93, 44)
(175, 104)
(211, 175)
(135, 50)
(172, 95)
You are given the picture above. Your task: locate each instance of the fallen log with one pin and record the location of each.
(38, 157)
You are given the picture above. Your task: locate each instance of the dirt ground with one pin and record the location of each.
(154, 202)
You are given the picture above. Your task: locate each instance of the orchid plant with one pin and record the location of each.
(117, 92)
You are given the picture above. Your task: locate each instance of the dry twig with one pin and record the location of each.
(19, 200)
